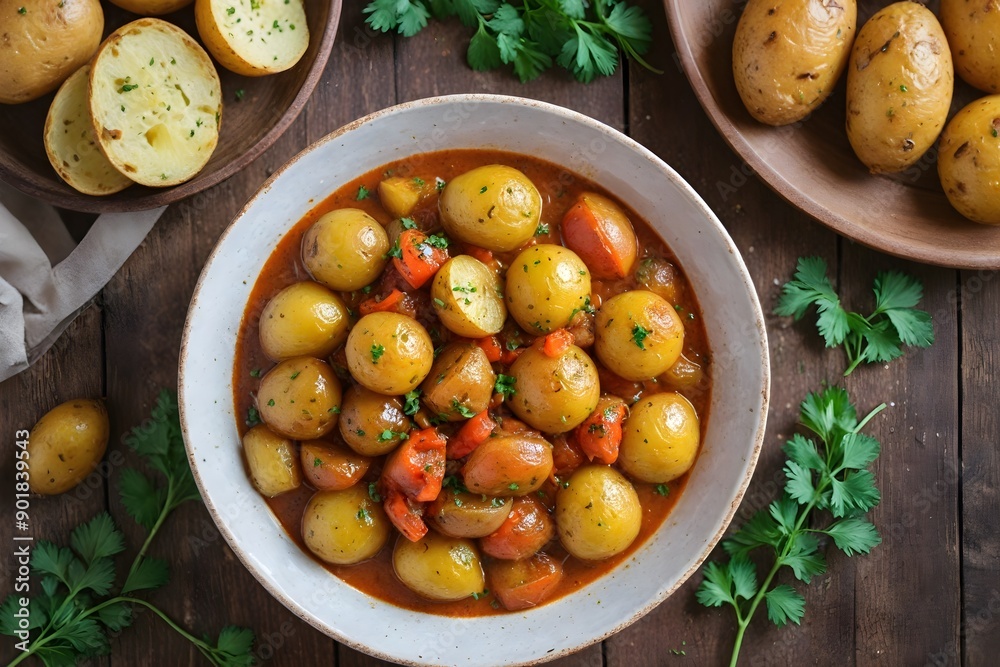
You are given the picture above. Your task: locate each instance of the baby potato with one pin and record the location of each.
(458, 514)
(365, 418)
(598, 230)
(439, 567)
(303, 319)
(460, 383)
(389, 353)
(899, 87)
(598, 515)
(524, 532)
(467, 297)
(344, 527)
(525, 583)
(495, 207)
(300, 398)
(660, 438)
(973, 31)
(554, 394)
(509, 465)
(274, 468)
(639, 335)
(400, 195)
(345, 249)
(787, 56)
(151, 7)
(684, 374)
(66, 445)
(547, 285)
(660, 277)
(329, 466)
(969, 161)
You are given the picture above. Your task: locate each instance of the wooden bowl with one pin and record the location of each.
(812, 165)
(250, 125)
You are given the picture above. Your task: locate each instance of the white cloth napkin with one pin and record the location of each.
(45, 282)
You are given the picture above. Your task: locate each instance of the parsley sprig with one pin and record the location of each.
(827, 492)
(877, 338)
(71, 616)
(530, 35)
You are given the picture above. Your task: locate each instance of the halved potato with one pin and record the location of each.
(468, 298)
(156, 103)
(253, 37)
(151, 7)
(399, 195)
(71, 145)
(273, 462)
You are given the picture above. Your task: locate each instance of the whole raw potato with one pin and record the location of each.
(973, 30)
(969, 161)
(66, 445)
(899, 86)
(41, 44)
(788, 55)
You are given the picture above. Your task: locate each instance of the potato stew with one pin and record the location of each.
(473, 382)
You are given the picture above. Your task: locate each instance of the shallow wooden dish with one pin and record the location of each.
(249, 126)
(812, 164)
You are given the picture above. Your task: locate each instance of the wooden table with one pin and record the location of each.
(930, 594)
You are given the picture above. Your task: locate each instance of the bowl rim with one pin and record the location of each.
(678, 181)
(31, 184)
(789, 191)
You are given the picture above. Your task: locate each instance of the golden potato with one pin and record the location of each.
(554, 394)
(303, 319)
(151, 7)
(788, 55)
(973, 32)
(367, 417)
(70, 142)
(467, 297)
(66, 445)
(252, 37)
(684, 374)
(439, 567)
(547, 285)
(44, 44)
(495, 207)
(460, 384)
(969, 161)
(660, 277)
(527, 529)
(660, 438)
(598, 515)
(525, 583)
(639, 335)
(273, 463)
(345, 249)
(508, 465)
(400, 195)
(300, 398)
(458, 514)
(389, 353)
(331, 466)
(156, 103)
(344, 527)
(899, 86)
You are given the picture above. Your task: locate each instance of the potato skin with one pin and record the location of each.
(494, 206)
(525, 583)
(461, 380)
(274, 466)
(331, 466)
(344, 527)
(66, 445)
(527, 529)
(365, 415)
(660, 438)
(300, 398)
(598, 515)
(556, 394)
(151, 7)
(467, 514)
(639, 335)
(439, 567)
(45, 45)
(509, 465)
(467, 297)
(345, 249)
(973, 32)
(899, 86)
(303, 319)
(969, 161)
(546, 285)
(789, 54)
(389, 353)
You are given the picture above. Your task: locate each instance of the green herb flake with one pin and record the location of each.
(513, 486)
(22, 11)
(240, 93)
(412, 402)
(253, 417)
(504, 385)
(363, 193)
(663, 490)
(377, 351)
(317, 462)
(408, 223)
(639, 334)
(482, 190)
(373, 493)
(255, 373)
(543, 228)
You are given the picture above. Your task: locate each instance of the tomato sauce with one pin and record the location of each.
(559, 189)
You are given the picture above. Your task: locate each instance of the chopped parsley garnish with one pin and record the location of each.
(363, 193)
(255, 373)
(395, 250)
(317, 462)
(639, 334)
(363, 514)
(294, 375)
(663, 489)
(377, 351)
(408, 223)
(505, 384)
(513, 486)
(467, 289)
(461, 409)
(419, 182)
(253, 417)
(239, 94)
(482, 190)
(436, 241)
(543, 228)
(412, 404)
(389, 434)
(373, 493)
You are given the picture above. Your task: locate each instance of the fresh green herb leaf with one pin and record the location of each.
(377, 351)
(663, 490)
(462, 409)
(373, 493)
(505, 385)
(639, 334)
(363, 193)
(240, 93)
(542, 228)
(408, 223)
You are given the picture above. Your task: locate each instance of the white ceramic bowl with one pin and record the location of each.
(737, 342)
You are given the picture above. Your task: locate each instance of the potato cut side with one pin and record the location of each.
(156, 103)
(71, 145)
(253, 37)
